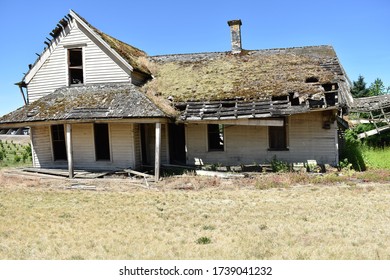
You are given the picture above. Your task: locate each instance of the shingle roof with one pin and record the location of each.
(102, 101)
(258, 74)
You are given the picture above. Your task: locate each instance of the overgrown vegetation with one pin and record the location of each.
(14, 154)
(372, 151)
(250, 75)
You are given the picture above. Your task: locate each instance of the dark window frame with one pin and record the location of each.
(278, 137)
(75, 66)
(216, 137)
(58, 142)
(101, 132)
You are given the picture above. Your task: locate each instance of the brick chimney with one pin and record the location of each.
(235, 30)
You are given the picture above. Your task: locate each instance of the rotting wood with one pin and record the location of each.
(145, 176)
(79, 174)
(138, 173)
(81, 187)
(219, 174)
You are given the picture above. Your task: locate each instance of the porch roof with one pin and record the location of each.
(99, 101)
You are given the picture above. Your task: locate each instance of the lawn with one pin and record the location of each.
(376, 157)
(275, 216)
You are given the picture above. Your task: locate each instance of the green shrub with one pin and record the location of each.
(203, 240)
(17, 159)
(352, 151)
(279, 166)
(28, 149)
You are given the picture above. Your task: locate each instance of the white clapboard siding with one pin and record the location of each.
(242, 145)
(41, 152)
(308, 139)
(83, 145)
(98, 66)
(249, 144)
(121, 146)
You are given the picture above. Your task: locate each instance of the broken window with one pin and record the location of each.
(58, 142)
(215, 136)
(102, 142)
(75, 63)
(277, 136)
(294, 99)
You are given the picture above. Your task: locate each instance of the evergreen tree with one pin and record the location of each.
(359, 88)
(377, 88)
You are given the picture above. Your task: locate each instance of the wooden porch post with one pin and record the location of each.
(69, 150)
(157, 152)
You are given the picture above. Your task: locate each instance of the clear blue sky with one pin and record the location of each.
(358, 30)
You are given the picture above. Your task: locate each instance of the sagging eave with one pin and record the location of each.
(83, 121)
(22, 85)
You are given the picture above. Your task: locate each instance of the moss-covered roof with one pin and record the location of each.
(102, 101)
(249, 75)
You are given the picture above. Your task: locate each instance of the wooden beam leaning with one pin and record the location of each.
(69, 150)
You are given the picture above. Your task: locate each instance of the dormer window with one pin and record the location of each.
(75, 64)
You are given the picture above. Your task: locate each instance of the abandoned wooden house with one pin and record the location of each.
(94, 102)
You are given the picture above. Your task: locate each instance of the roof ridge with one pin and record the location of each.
(244, 50)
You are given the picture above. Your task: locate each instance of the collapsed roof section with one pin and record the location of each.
(375, 110)
(251, 83)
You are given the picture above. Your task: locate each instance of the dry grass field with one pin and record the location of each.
(288, 216)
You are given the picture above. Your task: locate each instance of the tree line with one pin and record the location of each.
(360, 89)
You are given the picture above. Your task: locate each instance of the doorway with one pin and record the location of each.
(177, 144)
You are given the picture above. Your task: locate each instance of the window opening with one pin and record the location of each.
(215, 134)
(277, 137)
(58, 142)
(75, 62)
(294, 99)
(102, 143)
